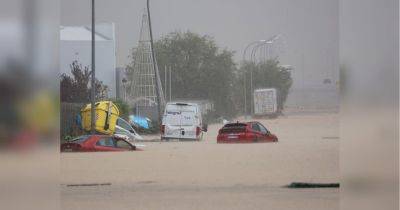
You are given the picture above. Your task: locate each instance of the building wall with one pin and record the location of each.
(81, 51)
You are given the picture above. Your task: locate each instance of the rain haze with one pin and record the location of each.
(217, 104)
(309, 28)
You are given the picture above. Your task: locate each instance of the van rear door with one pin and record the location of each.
(188, 124)
(173, 124)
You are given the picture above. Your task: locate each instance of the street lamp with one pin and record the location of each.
(259, 43)
(269, 43)
(252, 59)
(251, 73)
(249, 45)
(254, 51)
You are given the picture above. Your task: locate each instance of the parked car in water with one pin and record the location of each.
(97, 143)
(124, 128)
(182, 121)
(246, 132)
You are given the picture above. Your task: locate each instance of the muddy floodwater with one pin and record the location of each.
(207, 175)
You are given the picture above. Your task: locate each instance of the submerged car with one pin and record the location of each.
(97, 143)
(247, 132)
(123, 128)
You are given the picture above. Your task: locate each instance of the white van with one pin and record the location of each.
(182, 121)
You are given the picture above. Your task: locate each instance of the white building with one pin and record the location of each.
(75, 44)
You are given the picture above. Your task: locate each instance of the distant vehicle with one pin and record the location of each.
(182, 121)
(97, 143)
(247, 132)
(265, 102)
(124, 128)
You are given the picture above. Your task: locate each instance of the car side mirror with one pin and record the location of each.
(205, 128)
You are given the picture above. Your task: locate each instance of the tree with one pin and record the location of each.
(76, 88)
(123, 108)
(267, 74)
(200, 70)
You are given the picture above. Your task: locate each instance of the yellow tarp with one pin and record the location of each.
(106, 117)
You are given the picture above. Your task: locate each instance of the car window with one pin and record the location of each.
(106, 142)
(255, 127)
(124, 124)
(80, 139)
(125, 132)
(262, 128)
(123, 144)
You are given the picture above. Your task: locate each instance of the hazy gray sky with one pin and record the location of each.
(310, 27)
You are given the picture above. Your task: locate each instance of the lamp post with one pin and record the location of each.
(165, 82)
(255, 49)
(252, 59)
(259, 43)
(124, 81)
(170, 83)
(93, 74)
(251, 74)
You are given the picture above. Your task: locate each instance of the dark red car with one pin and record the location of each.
(97, 143)
(247, 132)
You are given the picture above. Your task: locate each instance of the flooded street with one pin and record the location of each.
(207, 175)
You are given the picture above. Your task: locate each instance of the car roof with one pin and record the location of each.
(241, 123)
(94, 135)
(246, 122)
(182, 103)
(236, 123)
(254, 122)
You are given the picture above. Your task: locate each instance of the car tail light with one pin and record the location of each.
(198, 130)
(162, 129)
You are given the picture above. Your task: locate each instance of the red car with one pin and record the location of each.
(97, 143)
(245, 133)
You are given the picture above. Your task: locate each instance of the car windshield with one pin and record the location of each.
(80, 139)
(123, 124)
(262, 128)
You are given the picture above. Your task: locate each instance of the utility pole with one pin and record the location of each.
(93, 85)
(170, 84)
(165, 81)
(245, 98)
(251, 93)
(154, 64)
